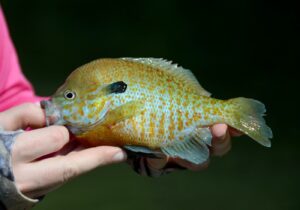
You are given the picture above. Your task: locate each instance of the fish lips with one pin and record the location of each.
(53, 113)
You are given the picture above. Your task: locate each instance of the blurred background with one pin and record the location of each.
(235, 48)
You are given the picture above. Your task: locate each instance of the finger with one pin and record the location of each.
(235, 132)
(221, 143)
(40, 142)
(55, 171)
(82, 160)
(156, 163)
(23, 116)
(67, 148)
(189, 165)
(219, 131)
(86, 159)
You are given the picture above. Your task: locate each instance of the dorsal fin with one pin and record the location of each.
(183, 74)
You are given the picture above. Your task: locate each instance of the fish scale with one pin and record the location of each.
(170, 123)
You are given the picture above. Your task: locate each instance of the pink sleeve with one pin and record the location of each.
(14, 87)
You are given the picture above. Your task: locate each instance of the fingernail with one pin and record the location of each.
(120, 156)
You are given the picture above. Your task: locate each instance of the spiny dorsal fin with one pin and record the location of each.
(183, 74)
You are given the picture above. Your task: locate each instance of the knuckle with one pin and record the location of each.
(28, 107)
(203, 166)
(59, 134)
(228, 148)
(26, 110)
(223, 149)
(16, 153)
(70, 170)
(199, 167)
(20, 151)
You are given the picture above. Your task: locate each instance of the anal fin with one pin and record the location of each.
(193, 147)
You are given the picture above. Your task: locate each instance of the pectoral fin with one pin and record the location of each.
(123, 112)
(193, 147)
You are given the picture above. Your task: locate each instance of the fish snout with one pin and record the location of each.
(53, 113)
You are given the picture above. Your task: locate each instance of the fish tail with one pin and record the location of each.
(246, 115)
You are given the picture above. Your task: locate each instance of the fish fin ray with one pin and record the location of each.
(144, 151)
(203, 134)
(179, 72)
(194, 147)
(247, 116)
(123, 112)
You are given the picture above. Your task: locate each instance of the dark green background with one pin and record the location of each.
(235, 48)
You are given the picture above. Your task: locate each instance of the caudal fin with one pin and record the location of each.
(247, 116)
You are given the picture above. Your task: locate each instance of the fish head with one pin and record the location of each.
(78, 104)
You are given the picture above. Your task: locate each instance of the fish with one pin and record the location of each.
(149, 106)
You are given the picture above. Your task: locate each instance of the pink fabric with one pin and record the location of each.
(14, 87)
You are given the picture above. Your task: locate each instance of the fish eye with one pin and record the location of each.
(70, 95)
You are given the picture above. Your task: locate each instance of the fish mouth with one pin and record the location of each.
(53, 113)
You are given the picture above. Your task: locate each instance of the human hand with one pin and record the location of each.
(45, 158)
(221, 144)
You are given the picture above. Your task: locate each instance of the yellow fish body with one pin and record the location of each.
(149, 105)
